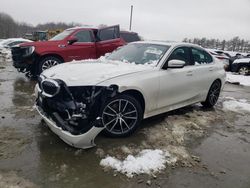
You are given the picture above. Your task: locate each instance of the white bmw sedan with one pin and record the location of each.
(78, 100)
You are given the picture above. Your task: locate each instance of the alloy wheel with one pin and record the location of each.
(214, 93)
(49, 63)
(119, 116)
(243, 70)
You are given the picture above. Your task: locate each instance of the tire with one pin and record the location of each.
(243, 70)
(47, 63)
(213, 95)
(121, 116)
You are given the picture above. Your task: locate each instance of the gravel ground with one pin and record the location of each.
(207, 148)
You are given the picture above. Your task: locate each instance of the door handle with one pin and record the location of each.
(189, 73)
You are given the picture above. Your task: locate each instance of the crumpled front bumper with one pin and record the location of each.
(82, 141)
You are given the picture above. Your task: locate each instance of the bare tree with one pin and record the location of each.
(235, 44)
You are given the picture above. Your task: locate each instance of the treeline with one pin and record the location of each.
(235, 44)
(9, 28)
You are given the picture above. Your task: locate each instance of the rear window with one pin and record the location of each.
(108, 34)
(130, 37)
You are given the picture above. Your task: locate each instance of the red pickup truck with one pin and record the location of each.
(72, 44)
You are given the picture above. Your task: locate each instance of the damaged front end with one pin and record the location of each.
(73, 113)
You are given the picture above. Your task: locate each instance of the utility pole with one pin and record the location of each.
(131, 17)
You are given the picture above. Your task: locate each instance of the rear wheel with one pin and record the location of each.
(213, 94)
(121, 116)
(48, 62)
(243, 70)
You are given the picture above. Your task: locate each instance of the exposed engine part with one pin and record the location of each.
(74, 109)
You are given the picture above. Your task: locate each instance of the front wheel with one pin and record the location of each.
(213, 94)
(243, 70)
(121, 116)
(48, 62)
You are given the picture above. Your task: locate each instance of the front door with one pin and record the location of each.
(84, 48)
(177, 84)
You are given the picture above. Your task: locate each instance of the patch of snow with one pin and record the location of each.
(5, 53)
(242, 60)
(242, 80)
(240, 106)
(92, 72)
(146, 162)
(151, 63)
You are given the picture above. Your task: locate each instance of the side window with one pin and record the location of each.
(181, 53)
(83, 36)
(201, 57)
(13, 43)
(130, 37)
(108, 33)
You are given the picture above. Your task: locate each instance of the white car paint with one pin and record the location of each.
(83, 141)
(6, 42)
(163, 90)
(242, 60)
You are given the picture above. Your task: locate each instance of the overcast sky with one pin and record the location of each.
(153, 19)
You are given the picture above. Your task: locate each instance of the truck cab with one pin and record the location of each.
(76, 43)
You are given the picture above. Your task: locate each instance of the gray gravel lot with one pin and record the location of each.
(211, 147)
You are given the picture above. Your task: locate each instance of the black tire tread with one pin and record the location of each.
(207, 103)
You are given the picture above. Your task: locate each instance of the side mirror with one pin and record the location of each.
(175, 63)
(72, 40)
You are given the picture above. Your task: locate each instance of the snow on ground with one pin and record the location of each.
(171, 134)
(240, 106)
(5, 54)
(234, 78)
(146, 162)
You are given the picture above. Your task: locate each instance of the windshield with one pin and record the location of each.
(62, 35)
(139, 53)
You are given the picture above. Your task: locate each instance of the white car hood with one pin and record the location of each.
(92, 72)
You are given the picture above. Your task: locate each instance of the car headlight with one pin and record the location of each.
(28, 51)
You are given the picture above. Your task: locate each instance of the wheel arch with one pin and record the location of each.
(218, 79)
(137, 95)
(51, 54)
(36, 68)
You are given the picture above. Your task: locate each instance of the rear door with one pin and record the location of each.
(84, 48)
(204, 70)
(108, 39)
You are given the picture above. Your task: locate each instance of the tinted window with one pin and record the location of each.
(15, 43)
(130, 37)
(108, 33)
(83, 36)
(201, 57)
(181, 53)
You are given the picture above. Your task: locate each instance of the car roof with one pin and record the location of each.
(124, 31)
(82, 27)
(169, 43)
